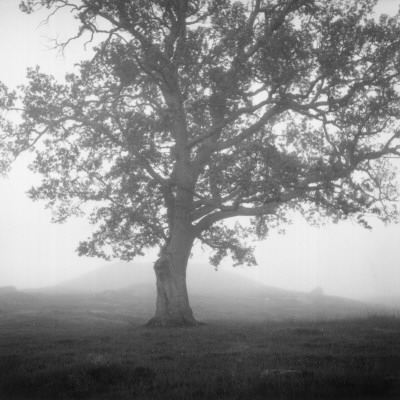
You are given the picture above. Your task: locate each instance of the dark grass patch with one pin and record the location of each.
(78, 382)
(316, 385)
(307, 331)
(346, 359)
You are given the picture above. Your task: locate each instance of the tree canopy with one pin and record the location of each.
(192, 112)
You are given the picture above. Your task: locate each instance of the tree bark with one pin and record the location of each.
(172, 305)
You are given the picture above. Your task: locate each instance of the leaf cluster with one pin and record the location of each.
(208, 110)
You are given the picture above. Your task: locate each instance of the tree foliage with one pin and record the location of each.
(216, 109)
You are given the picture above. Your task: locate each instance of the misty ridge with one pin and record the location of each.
(128, 290)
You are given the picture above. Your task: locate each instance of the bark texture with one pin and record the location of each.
(172, 305)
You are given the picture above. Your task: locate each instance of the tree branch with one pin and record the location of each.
(246, 133)
(206, 222)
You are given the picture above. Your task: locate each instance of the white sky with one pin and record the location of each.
(344, 259)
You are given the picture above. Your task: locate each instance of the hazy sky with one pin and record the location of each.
(344, 259)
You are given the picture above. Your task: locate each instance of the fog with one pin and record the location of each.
(343, 259)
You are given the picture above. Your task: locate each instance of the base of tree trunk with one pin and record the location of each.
(172, 322)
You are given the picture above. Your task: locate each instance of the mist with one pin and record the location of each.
(344, 259)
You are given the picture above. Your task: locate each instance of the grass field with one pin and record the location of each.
(77, 351)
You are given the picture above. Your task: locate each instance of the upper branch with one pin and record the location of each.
(210, 219)
(246, 133)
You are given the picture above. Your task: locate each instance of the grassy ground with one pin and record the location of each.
(94, 355)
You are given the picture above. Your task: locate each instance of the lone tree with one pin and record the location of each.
(192, 112)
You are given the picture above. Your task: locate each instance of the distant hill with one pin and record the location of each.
(7, 289)
(12, 300)
(202, 279)
(260, 303)
(111, 276)
(220, 294)
(390, 301)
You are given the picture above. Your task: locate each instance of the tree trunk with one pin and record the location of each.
(172, 306)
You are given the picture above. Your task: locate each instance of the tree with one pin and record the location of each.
(192, 112)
